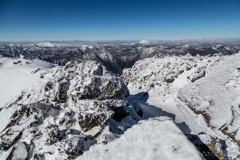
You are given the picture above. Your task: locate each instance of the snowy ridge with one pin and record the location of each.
(201, 91)
(161, 78)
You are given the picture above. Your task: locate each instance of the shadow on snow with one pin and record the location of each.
(150, 111)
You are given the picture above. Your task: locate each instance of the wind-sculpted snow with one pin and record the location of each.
(69, 109)
(156, 138)
(211, 104)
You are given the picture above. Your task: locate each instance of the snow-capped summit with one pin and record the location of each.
(46, 44)
(144, 42)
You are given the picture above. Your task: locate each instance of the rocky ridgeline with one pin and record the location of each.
(205, 91)
(68, 110)
(163, 77)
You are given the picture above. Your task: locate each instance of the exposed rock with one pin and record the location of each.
(73, 147)
(27, 116)
(169, 79)
(92, 113)
(68, 110)
(38, 157)
(208, 149)
(214, 145)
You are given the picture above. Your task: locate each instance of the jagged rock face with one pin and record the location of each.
(98, 115)
(68, 110)
(214, 145)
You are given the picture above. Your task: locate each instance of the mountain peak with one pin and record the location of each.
(46, 44)
(144, 42)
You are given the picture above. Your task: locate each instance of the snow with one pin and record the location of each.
(17, 77)
(5, 116)
(217, 96)
(156, 138)
(46, 44)
(66, 111)
(144, 42)
(162, 78)
(20, 152)
(200, 95)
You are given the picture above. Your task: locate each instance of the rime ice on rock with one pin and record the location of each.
(68, 110)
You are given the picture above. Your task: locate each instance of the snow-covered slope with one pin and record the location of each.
(211, 104)
(161, 78)
(156, 138)
(17, 75)
(69, 109)
(198, 92)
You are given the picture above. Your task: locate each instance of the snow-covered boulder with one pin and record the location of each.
(69, 109)
(20, 152)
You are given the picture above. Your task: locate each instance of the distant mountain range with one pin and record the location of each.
(115, 55)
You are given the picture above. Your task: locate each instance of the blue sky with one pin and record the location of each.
(118, 19)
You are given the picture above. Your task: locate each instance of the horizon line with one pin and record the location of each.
(177, 39)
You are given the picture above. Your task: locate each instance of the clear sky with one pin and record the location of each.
(118, 19)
